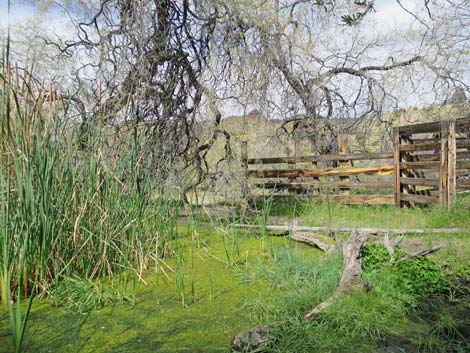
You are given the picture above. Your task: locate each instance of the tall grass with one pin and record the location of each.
(68, 211)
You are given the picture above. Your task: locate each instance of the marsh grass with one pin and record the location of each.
(81, 295)
(231, 246)
(72, 215)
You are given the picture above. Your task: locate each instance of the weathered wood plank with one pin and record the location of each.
(462, 165)
(397, 190)
(285, 173)
(343, 150)
(463, 184)
(331, 185)
(244, 164)
(420, 198)
(346, 199)
(420, 165)
(420, 182)
(462, 123)
(451, 163)
(437, 156)
(443, 185)
(421, 146)
(328, 158)
(420, 128)
(463, 144)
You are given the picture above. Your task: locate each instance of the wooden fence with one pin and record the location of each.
(429, 164)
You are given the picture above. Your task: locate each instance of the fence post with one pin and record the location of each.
(451, 163)
(244, 163)
(397, 189)
(443, 179)
(343, 148)
(292, 155)
(315, 180)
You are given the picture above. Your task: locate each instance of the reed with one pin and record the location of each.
(69, 211)
(231, 246)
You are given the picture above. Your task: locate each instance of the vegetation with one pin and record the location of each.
(112, 238)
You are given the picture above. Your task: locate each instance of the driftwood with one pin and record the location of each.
(391, 249)
(352, 271)
(369, 231)
(422, 253)
(320, 241)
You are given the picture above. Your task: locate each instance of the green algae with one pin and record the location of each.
(216, 291)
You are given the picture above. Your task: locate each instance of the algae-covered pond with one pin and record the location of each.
(195, 301)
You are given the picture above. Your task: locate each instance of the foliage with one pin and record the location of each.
(417, 277)
(386, 315)
(81, 296)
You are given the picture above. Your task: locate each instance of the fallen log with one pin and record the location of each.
(320, 241)
(369, 231)
(421, 253)
(352, 271)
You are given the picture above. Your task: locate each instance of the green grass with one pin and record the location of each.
(339, 215)
(411, 307)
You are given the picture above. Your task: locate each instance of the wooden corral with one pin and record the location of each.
(432, 162)
(429, 164)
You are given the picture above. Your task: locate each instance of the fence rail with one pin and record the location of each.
(429, 164)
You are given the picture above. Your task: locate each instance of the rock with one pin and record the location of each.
(250, 339)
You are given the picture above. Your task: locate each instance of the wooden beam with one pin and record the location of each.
(422, 146)
(463, 144)
(244, 159)
(285, 173)
(463, 184)
(420, 128)
(451, 163)
(343, 149)
(462, 165)
(328, 158)
(345, 199)
(462, 124)
(443, 185)
(332, 185)
(462, 156)
(397, 190)
(420, 165)
(420, 182)
(420, 198)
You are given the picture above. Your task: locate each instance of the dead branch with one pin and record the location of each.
(352, 271)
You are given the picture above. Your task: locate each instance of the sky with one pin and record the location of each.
(388, 14)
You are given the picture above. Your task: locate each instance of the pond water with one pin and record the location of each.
(216, 303)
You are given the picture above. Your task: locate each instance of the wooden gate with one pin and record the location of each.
(431, 162)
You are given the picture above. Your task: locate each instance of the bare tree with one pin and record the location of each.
(142, 63)
(317, 61)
